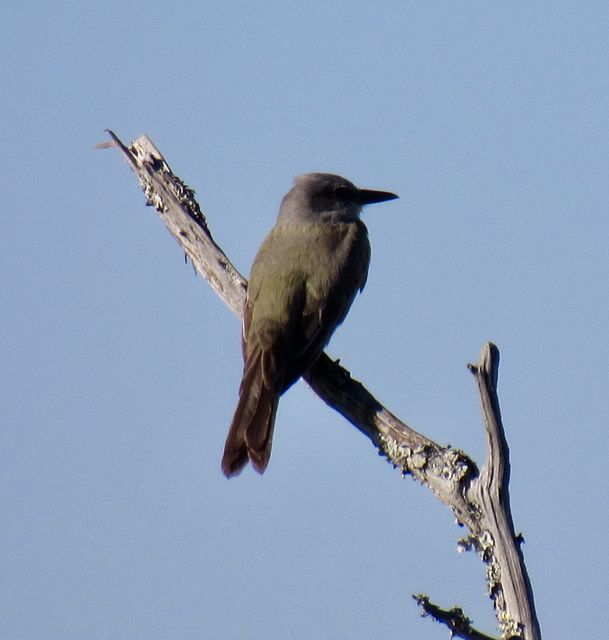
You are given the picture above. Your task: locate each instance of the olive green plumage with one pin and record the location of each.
(302, 283)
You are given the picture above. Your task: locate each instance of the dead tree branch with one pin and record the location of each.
(479, 500)
(493, 530)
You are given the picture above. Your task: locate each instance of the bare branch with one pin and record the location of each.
(479, 500)
(183, 218)
(497, 542)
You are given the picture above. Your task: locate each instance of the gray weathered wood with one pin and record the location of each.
(496, 539)
(479, 500)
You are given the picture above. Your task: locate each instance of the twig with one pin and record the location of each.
(458, 623)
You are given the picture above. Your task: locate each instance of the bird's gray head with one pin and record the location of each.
(325, 197)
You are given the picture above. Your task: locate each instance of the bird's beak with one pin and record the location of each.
(368, 196)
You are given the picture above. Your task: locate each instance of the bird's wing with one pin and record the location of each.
(266, 352)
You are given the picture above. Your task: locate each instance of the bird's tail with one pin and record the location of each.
(251, 431)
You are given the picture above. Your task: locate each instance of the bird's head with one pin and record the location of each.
(326, 197)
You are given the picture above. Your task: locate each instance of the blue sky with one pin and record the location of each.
(120, 368)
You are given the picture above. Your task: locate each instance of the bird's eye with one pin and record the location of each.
(341, 192)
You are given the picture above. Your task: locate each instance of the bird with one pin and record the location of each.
(303, 280)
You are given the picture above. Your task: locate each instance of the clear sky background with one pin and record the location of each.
(119, 367)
